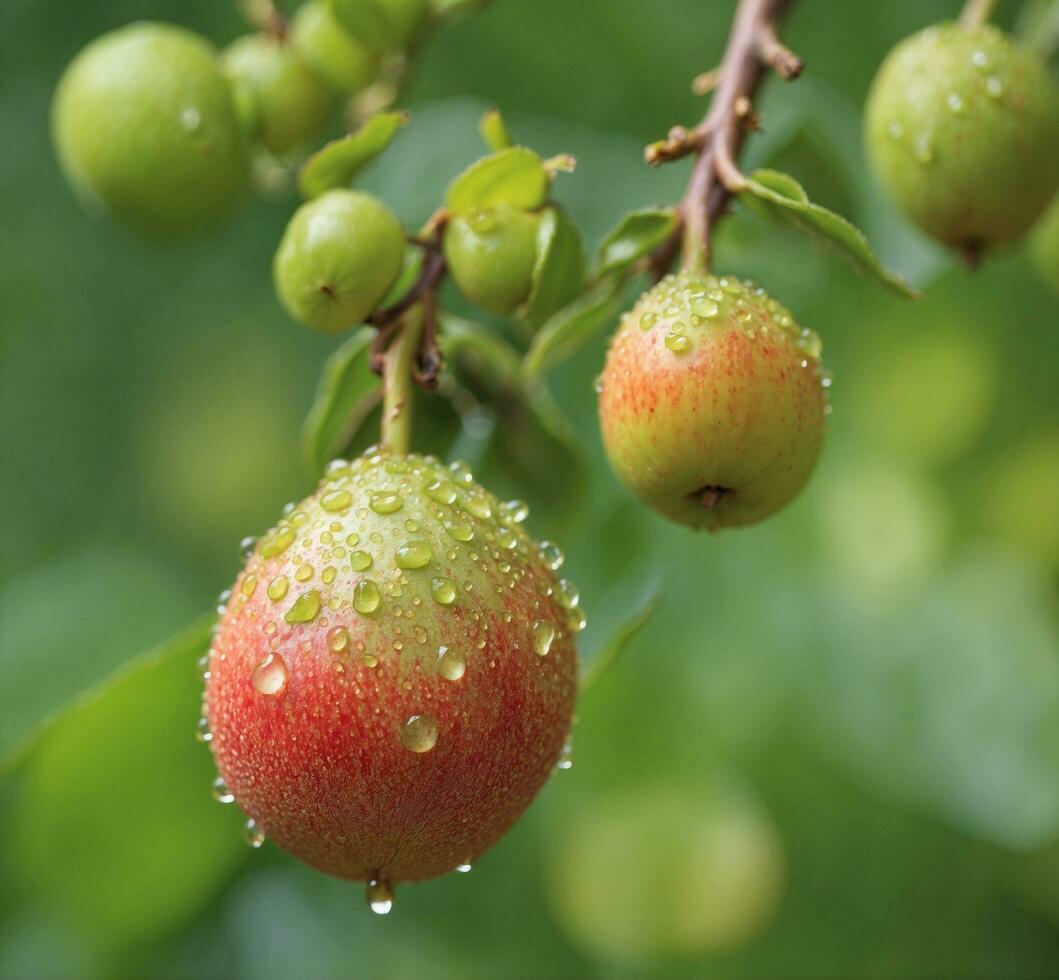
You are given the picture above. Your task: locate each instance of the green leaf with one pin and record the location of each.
(338, 162)
(347, 393)
(559, 272)
(494, 130)
(515, 176)
(638, 234)
(571, 327)
(114, 602)
(614, 646)
(780, 198)
(112, 824)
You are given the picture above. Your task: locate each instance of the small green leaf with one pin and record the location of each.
(515, 176)
(780, 198)
(559, 272)
(494, 130)
(571, 327)
(338, 162)
(347, 392)
(119, 785)
(638, 234)
(609, 654)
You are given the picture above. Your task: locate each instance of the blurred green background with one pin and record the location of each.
(834, 751)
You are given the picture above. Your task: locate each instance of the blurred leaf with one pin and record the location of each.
(638, 234)
(338, 162)
(614, 645)
(559, 272)
(112, 827)
(411, 266)
(494, 130)
(515, 176)
(533, 444)
(571, 327)
(780, 198)
(68, 624)
(347, 393)
(1037, 27)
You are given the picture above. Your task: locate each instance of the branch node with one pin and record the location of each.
(705, 82)
(777, 56)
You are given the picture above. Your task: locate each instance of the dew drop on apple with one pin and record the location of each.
(379, 895)
(463, 868)
(543, 635)
(419, 733)
(202, 731)
(270, 676)
(443, 591)
(451, 665)
(253, 834)
(221, 792)
(366, 597)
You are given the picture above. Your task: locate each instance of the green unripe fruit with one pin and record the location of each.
(382, 24)
(340, 254)
(290, 103)
(962, 127)
(145, 124)
(491, 253)
(1044, 247)
(406, 17)
(321, 43)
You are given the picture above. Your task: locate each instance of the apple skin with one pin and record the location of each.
(725, 429)
(146, 126)
(321, 765)
(339, 255)
(290, 103)
(491, 253)
(962, 127)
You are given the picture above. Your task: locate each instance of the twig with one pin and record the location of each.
(753, 47)
(976, 12)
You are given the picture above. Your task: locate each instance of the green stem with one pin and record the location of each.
(976, 12)
(398, 388)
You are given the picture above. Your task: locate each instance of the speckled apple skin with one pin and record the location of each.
(321, 766)
(742, 407)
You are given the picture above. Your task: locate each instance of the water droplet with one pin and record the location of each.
(202, 731)
(648, 320)
(277, 542)
(552, 555)
(922, 150)
(677, 343)
(413, 554)
(441, 492)
(543, 635)
(895, 129)
(329, 574)
(379, 896)
(460, 531)
(270, 676)
(338, 639)
(246, 546)
(577, 620)
(221, 792)
(483, 220)
(249, 585)
(566, 593)
(253, 834)
(277, 588)
(360, 561)
(461, 472)
(515, 510)
(335, 501)
(366, 597)
(955, 101)
(386, 502)
(566, 754)
(479, 506)
(190, 118)
(304, 573)
(506, 538)
(994, 87)
(463, 868)
(443, 590)
(451, 666)
(419, 733)
(305, 608)
(980, 59)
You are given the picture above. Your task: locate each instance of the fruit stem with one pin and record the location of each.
(976, 12)
(398, 389)
(753, 47)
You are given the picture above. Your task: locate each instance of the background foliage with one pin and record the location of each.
(876, 669)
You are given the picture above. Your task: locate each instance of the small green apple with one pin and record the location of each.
(290, 102)
(330, 51)
(491, 253)
(1044, 247)
(712, 401)
(962, 126)
(146, 125)
(340, 254)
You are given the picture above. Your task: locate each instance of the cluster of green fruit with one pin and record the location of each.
(962, 126)
(155, 125)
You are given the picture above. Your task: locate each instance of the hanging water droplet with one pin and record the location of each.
(246, 546)
(202, 731)
(253, 834)
(220, 791)
(543, 636)
(566, 754)
(463, 868)
(379, 896)
(515, 510)
(270, 676)
(451, 664)
(419, 733)
(366, 597)
(566, 593)
(552, 555)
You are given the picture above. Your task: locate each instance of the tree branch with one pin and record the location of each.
(753, 47)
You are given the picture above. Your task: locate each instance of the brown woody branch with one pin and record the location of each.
(753, 48)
